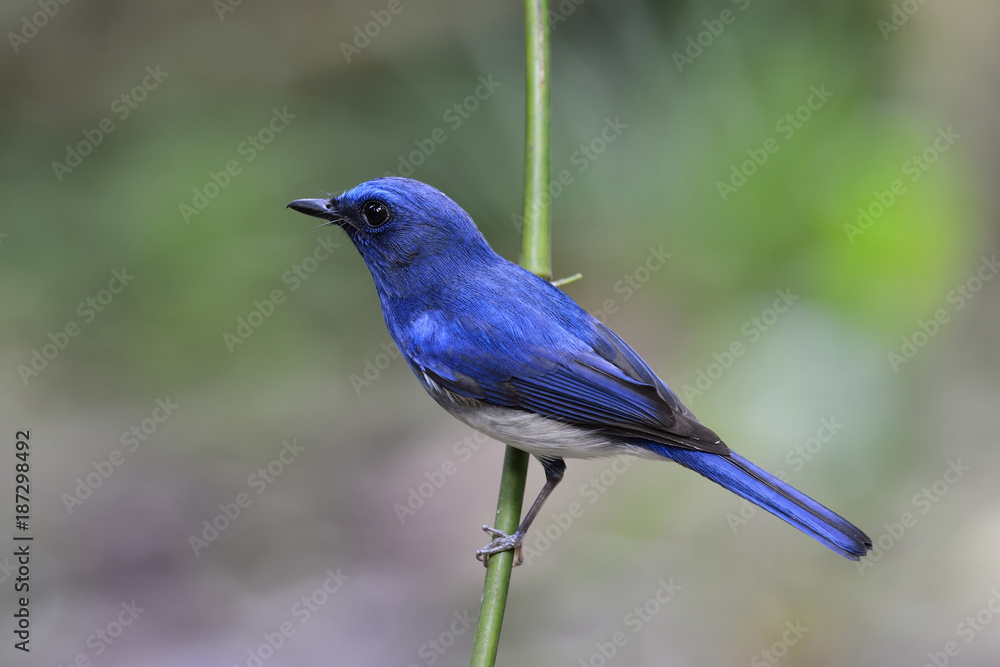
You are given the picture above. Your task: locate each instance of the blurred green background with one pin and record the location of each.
(377, 485)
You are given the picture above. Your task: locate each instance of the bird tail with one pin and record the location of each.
(767, 491)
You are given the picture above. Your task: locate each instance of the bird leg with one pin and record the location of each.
(554, 469)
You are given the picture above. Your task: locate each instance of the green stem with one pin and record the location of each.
(535, 233)
(535, 257)
(515, 472)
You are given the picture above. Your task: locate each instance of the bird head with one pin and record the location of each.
(405, 230)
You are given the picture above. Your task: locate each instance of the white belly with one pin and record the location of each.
(540, 435)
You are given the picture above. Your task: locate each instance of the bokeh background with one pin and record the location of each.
(374, 513)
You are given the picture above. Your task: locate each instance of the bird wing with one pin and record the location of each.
(594, 381)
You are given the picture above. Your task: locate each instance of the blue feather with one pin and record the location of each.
(767, 491)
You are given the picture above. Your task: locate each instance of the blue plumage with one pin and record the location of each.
(511, 355)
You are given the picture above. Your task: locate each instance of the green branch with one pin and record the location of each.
(535, 257)
(535, 232)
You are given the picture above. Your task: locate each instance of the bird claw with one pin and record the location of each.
(502, 542)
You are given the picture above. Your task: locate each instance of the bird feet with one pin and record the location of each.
(502, 542)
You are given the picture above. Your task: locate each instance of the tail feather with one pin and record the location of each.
(770, 493)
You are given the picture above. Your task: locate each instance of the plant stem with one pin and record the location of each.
(515, 472)
(535, 233)
(535, 256)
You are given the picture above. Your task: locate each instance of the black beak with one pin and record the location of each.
(318, 208)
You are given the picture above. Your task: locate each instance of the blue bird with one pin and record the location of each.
(512, 356)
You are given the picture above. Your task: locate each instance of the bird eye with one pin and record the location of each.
(375, 213)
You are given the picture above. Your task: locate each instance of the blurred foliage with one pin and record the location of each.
(656, 184)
